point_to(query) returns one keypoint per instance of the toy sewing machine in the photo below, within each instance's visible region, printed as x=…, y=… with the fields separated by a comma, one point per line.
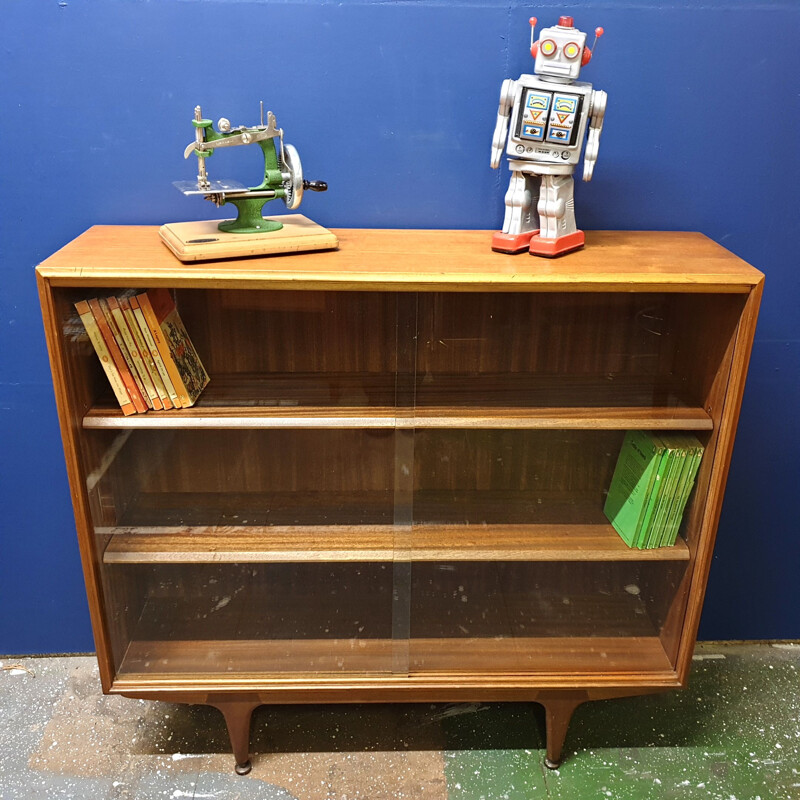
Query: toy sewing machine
x=250, y=233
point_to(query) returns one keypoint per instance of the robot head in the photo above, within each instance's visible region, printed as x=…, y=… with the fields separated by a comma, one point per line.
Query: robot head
x=560, y=51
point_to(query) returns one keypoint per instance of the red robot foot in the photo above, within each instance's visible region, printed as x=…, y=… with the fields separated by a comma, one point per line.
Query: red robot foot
x=512, y=243
x=550, y=248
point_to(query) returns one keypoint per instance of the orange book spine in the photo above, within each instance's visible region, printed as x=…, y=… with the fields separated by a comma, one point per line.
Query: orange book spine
x=130, y=352
x=126, y=356
x=99, y=344
x=116, y=355
x=145, y=383
x=161, y=367
x=161, y=399
x=163, y=348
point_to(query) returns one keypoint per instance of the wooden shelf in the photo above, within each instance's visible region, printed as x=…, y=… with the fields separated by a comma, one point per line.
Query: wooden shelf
x=370, y=401
x=503, y=629
x=430, y=660
x=365, y=543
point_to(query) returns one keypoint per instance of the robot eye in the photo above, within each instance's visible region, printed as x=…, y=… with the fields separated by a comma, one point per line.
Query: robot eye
x=548, y=47
x=571, y=51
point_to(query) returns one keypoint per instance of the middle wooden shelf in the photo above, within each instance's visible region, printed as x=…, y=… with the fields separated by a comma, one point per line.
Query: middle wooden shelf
x=375, y=543
x=394, y=400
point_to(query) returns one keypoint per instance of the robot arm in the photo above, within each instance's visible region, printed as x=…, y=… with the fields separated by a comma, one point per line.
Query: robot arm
x=501, y=128
x=596, y=114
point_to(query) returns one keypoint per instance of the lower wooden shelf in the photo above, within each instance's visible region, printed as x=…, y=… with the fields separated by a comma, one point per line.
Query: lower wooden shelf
x=275, y=660
x=295, y=623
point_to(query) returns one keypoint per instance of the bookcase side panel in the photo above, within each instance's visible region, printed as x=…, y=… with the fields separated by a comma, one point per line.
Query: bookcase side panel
x=77, y=380
x=704, y=329
x=727, y=395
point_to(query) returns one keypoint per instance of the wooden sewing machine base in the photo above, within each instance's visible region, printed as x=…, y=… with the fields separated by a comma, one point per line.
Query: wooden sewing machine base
x=202, y=241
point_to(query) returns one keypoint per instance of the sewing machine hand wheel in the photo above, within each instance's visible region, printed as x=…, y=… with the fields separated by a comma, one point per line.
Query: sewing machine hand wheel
x=294, y=184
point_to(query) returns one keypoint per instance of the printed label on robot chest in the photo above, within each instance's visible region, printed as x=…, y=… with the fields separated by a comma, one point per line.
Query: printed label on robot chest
x=548, y=117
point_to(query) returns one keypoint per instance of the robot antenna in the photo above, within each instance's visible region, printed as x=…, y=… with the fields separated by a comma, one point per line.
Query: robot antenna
x=532, y=22
x=598, y=32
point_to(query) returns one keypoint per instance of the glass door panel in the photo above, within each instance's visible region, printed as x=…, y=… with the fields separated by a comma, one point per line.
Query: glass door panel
x=591, y=350
x=522, y=402
x=231, y=538
x=260, y=618
x=254, y=532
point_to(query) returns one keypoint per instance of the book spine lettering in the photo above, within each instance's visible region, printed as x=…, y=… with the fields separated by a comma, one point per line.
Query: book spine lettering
x=163, y=349
x=149, y=372
x=110, y=369
x=134, y=360
x=171, y=399
x=116, y=355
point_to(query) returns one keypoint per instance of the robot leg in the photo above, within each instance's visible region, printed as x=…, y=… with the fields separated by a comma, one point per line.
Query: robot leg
x=521, y=219
x=559, y=233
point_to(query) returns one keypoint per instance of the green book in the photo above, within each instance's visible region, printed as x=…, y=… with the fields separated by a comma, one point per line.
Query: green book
x=679, y=462
x=687, y=444
x=661, y=495
x=635, y=474
x=670, y=490
x=693, y=459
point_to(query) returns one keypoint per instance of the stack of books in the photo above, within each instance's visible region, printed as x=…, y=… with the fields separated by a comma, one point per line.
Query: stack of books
x=145, y=351
x=652, y=482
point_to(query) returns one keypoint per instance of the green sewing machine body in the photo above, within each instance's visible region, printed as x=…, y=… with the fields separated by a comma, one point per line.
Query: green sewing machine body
x=283, y=173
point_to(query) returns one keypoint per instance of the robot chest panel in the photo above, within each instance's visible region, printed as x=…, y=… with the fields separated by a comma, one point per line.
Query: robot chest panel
x=548, y=124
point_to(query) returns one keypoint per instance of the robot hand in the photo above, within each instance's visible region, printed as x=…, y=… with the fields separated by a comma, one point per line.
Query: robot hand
x=501, y=127
x=498, y=143
x=597, y=114
x=590, y=155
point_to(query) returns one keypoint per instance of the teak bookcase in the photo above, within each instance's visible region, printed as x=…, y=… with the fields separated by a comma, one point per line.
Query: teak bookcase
x=392, y=488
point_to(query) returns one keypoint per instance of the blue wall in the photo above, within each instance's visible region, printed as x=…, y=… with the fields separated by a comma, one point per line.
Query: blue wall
x=393, y=104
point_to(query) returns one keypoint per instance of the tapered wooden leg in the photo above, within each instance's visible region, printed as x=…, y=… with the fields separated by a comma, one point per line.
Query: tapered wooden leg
x=558, y=713
x=238, y=714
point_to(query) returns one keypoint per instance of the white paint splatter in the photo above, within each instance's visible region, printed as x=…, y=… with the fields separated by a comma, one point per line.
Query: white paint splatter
x=178, y=793
x=222, y=603
x=181, y=756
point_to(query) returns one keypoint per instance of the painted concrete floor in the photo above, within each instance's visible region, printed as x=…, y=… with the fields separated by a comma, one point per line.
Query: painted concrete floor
x=733, y=735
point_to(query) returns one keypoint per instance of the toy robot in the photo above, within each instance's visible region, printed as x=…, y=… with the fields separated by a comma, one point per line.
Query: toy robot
x=541, y=124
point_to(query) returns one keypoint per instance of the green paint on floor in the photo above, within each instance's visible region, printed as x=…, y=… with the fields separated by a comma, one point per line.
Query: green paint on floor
x=734, y=734
x=493, y=752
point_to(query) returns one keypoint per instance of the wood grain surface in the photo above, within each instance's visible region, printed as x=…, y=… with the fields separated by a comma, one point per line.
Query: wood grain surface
x=358, y=543
x=413, y=259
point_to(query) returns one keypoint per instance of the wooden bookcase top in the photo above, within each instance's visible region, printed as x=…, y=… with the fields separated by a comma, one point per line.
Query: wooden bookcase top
x=412, y=260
